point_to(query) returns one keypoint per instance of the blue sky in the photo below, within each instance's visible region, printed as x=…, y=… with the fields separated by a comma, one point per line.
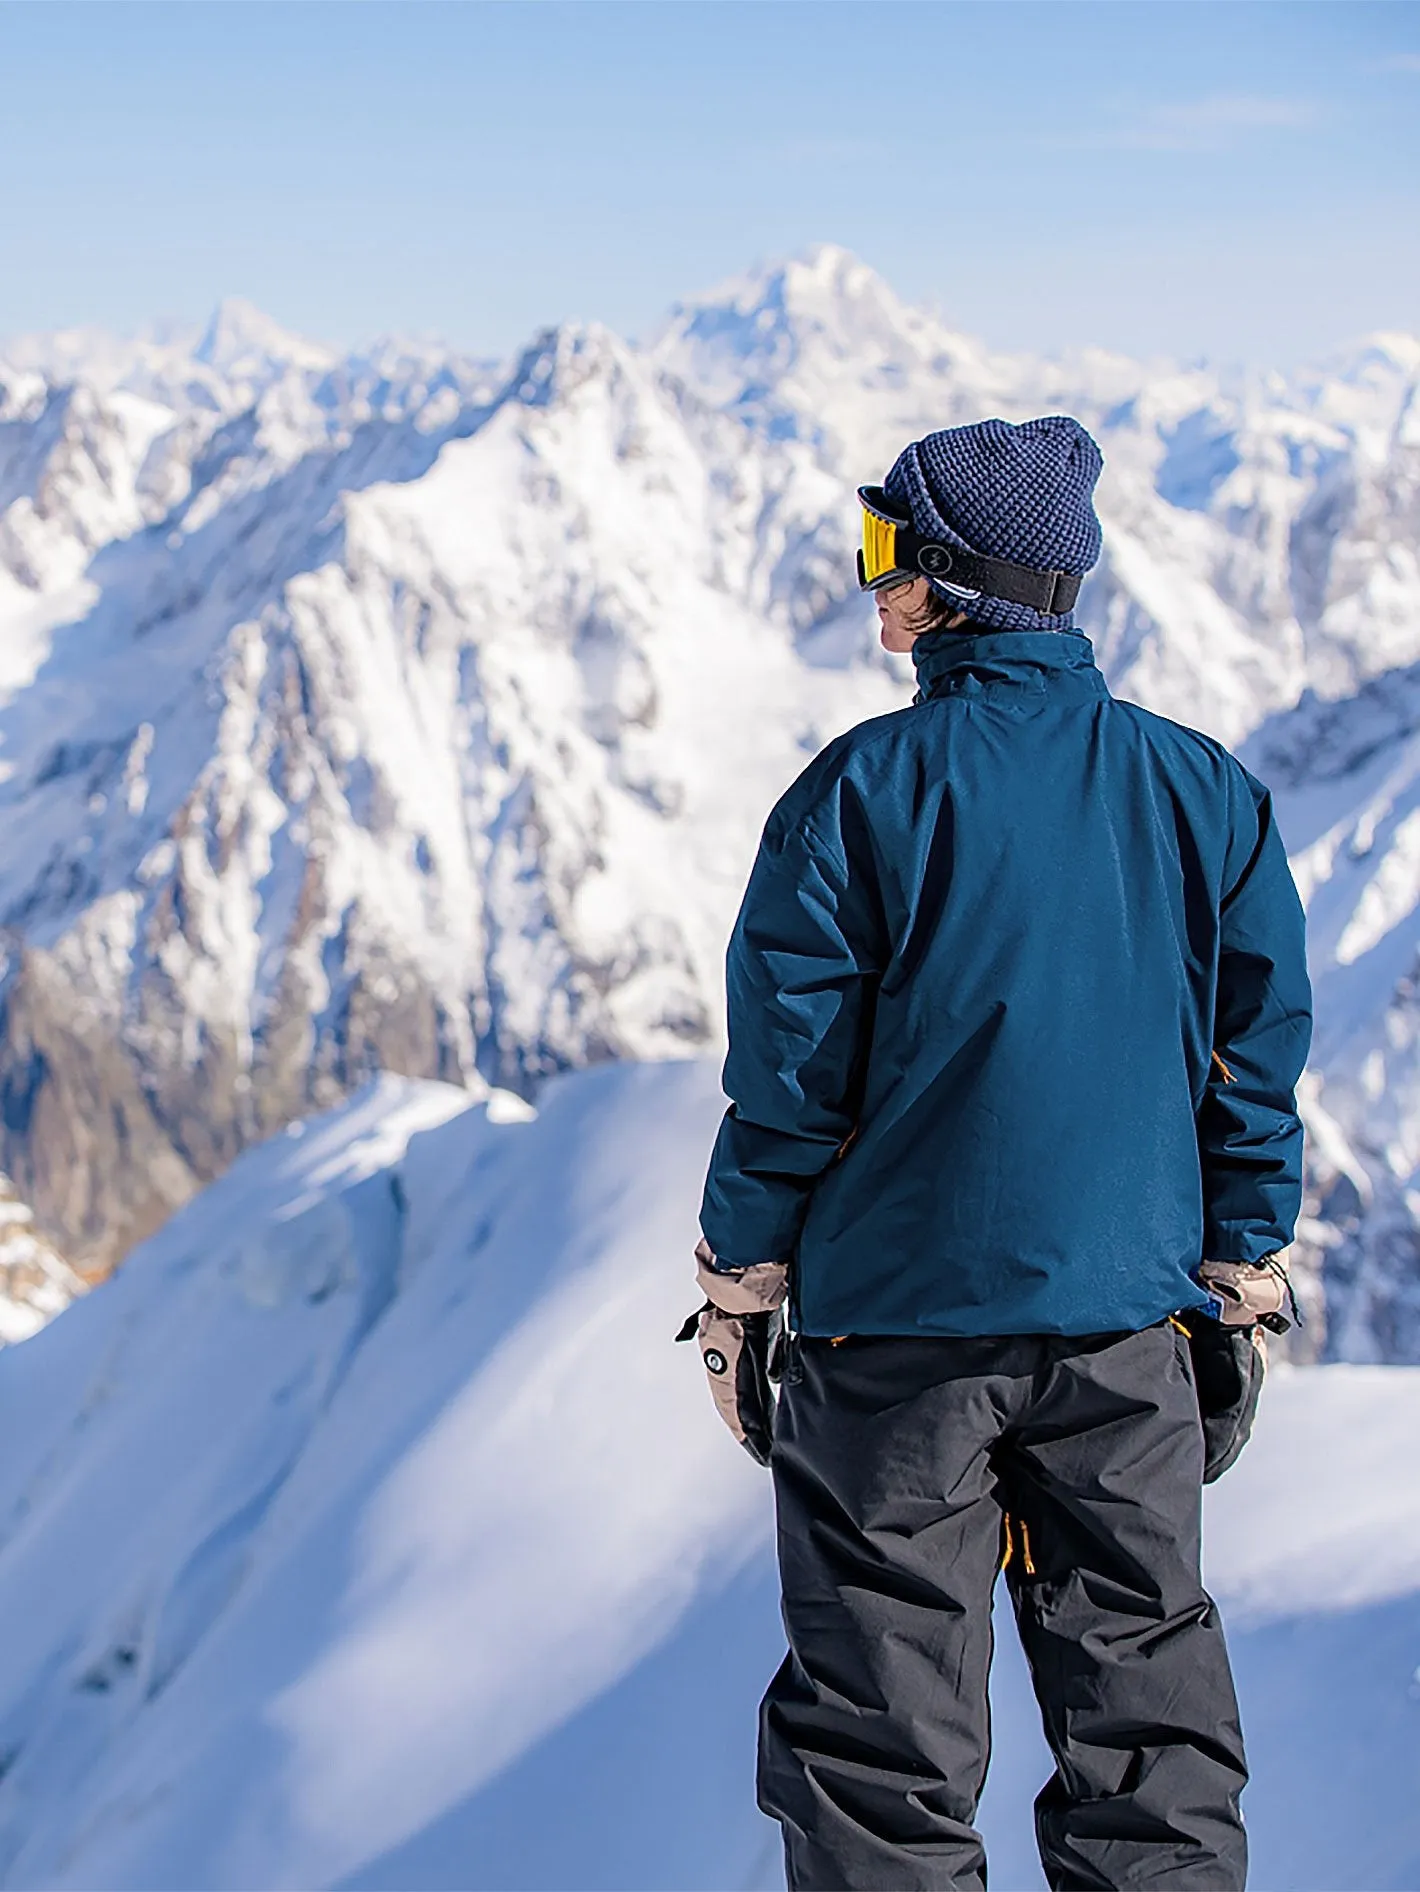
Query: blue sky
x=1213, y=177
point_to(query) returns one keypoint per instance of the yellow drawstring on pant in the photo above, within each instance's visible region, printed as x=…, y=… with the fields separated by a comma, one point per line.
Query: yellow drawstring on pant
x=1027, y=1561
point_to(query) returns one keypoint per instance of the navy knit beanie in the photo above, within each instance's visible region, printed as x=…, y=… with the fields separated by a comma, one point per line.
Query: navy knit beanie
x=1020, y=493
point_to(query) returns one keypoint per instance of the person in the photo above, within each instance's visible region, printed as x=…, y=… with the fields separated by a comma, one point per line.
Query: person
x=1017, y=1007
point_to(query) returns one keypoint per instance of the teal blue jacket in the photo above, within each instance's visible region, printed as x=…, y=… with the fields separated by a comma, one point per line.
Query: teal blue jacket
x=1017, y=1005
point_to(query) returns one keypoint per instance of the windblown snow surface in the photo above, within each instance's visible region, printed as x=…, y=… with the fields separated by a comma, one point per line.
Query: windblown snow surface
x=366, y=1530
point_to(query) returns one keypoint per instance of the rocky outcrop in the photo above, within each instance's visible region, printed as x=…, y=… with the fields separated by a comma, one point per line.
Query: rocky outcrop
x=36, y=1282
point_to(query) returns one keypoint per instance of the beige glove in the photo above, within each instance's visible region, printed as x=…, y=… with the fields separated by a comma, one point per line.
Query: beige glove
x=738, y=1329
x=1249, y=1292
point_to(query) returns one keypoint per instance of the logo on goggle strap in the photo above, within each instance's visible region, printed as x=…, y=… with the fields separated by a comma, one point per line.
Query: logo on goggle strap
x=934, y=560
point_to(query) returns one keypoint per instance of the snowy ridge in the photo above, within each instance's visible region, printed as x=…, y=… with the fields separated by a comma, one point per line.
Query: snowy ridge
x=354, y=1447
x=407, y=713
x=368, y=1514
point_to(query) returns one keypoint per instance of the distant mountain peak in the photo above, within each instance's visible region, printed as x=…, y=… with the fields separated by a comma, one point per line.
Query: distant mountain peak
x=242, y=341
x=1391, y=351
x=808, y=284
x=823, y=266
x=561, y=359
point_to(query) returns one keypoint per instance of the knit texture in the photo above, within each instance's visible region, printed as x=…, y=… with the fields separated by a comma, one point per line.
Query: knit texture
x=1022, y=493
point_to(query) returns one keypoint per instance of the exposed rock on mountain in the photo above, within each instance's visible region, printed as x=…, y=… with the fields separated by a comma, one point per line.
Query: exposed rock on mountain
x=36, y=1282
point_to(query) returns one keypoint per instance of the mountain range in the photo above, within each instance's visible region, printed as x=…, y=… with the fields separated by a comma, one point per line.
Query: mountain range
x=405, y=712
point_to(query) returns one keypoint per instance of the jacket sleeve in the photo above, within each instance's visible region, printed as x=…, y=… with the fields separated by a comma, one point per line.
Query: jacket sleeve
x=1249, y=1133
x=800, y=980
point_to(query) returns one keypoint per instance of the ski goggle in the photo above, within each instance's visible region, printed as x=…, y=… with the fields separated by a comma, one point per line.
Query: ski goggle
x=893, y=552
x=881, y=560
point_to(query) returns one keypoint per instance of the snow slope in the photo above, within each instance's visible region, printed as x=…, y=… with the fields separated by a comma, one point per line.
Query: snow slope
x=405, y=712
x=368, y=1531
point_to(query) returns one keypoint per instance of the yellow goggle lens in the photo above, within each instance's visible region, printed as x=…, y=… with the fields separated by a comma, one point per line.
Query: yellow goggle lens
x=879, y=546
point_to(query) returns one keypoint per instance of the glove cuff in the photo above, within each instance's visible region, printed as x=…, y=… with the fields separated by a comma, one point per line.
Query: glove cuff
x=1247, y=1291
x=754, y=1290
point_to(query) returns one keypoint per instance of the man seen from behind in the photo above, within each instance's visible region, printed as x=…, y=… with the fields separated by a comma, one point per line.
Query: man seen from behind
x=1017, y=1007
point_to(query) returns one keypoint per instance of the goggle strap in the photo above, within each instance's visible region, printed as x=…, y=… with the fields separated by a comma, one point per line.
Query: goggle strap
x=1052, y=593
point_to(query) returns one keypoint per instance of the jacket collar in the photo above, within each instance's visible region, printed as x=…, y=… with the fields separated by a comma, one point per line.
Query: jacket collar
x=952, y=663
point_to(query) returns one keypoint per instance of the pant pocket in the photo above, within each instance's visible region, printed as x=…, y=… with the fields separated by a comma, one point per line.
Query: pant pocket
x=1227, y=1366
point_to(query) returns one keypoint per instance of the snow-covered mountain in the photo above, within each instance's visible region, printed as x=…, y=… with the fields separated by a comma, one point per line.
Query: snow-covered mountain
x=367, y=1530
x=405, y=712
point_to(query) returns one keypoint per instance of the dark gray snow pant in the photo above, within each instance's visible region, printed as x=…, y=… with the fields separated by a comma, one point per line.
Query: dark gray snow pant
x=904, y=1469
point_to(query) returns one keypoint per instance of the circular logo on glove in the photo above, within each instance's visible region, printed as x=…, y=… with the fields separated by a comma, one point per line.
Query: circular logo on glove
x=934, y=560
x=715, y=1360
